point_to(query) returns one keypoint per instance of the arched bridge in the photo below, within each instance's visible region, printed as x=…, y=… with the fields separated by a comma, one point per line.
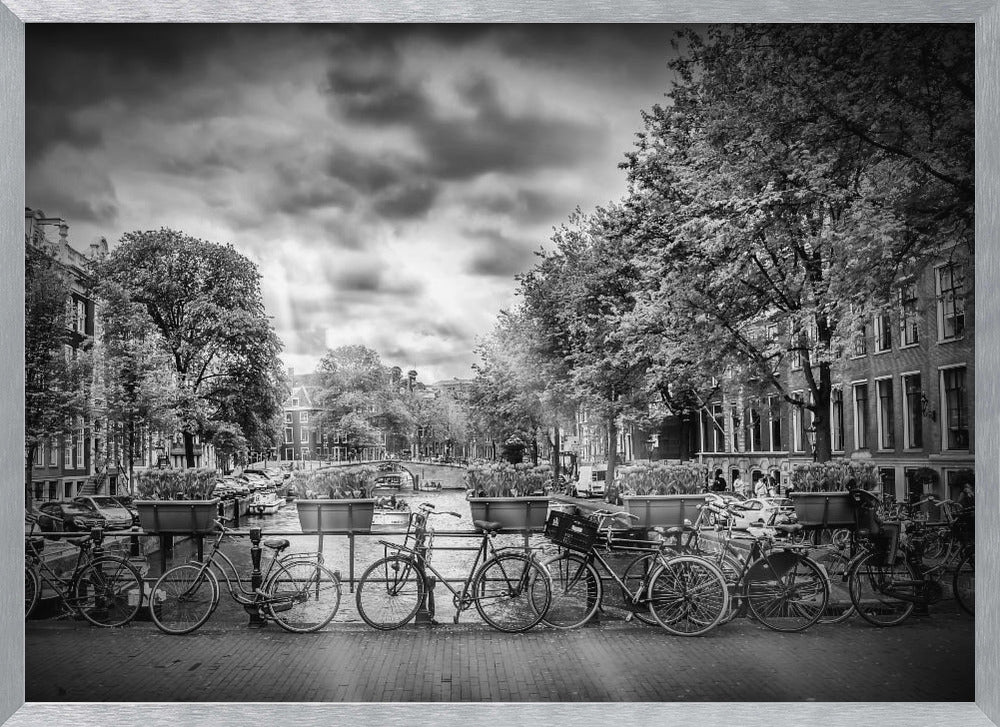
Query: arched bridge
x=451, y=476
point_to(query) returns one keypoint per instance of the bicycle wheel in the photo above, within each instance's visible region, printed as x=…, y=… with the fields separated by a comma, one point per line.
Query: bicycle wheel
x=303, y=596
x=108, y=592
x=935, y=545
x=688, y=595
x=512, y=592
x=638, y=576
x=964, y=583
x=839, y=606
x=183, y=598
x=576, y=591
x=731, y=569
x=786, y=591
x=876, y=589
x=32, y=589
x=390, y=592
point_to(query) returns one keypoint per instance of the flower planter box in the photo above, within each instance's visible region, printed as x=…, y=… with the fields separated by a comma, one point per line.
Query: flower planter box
x=664, y=511
x=515, y=514
x=823, y=509
x=336, y=516
x=178, y=516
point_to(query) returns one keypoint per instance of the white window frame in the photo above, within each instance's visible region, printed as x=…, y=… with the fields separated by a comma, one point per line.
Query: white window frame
x=303, y=435
x=882, y=330
x=772, y=420
x=833, y=422
x=854, y=408
x=295, y=401
x=943, y=407
x=753, y=412
x=880, y=432
x=716, y=433
x=288, y=417
x=53, y=453
x=907, y=434
x=303, y=417
x=957, y=301
x=907, y=317
x=798, y=445
x=289, y=436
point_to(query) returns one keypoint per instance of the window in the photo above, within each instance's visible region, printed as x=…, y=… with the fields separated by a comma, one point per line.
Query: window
x=774, y=422
x=288, y=435
x=887, y=475
x=304, y=435
x=753, y=441
x=955, y=408
x=861, y=341
x=67, y=490
x=909, y=319
x=883, y=333
x=295, y=401
x=771, y=333
x=288, y=417
x=718, y=428
x=837, y=419
x=950, y=301
x=886, y=438
x=80, y=439
x=305, y=453
x=734, y=417
x=304, y=417
x=860, y=416
x=68, y=452
x=797, y=425
x=53, y=453
x=913, y=418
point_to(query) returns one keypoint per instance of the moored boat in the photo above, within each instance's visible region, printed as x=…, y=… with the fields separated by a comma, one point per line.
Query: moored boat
x=265, y=502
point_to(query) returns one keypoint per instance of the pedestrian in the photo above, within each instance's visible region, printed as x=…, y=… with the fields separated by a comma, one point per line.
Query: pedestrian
x=719, y=485
x=740, y=487
x=760, y=488
x=967, y=499
x=770, y=486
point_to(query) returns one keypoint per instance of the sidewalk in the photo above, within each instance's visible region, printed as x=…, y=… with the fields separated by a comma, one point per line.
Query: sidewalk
x=927, y=659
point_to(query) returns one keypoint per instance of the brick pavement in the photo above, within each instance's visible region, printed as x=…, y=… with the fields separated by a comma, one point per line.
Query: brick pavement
x=925, y=659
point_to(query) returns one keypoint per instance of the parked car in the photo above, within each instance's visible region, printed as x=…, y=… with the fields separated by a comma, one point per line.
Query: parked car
x=760, y=510
x=128, y=502
x=116, y=515
x=69, y=516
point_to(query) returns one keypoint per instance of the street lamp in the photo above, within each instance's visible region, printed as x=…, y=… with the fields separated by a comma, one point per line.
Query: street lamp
x=811, y=437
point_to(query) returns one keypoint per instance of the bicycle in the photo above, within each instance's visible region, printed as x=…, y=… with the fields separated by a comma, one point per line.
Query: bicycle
x=889, y=578
x=104, y=589
x=299, y=593
x=510, y=590
x=684, y=594
x=780, y=586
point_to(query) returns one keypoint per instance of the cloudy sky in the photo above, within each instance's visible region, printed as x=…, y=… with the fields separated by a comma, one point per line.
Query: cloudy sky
x=389, y=180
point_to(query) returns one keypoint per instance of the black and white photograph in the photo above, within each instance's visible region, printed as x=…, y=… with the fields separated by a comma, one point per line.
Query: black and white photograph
x=499, y=363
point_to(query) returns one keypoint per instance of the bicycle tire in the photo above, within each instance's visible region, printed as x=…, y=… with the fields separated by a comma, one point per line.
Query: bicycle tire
x=839, y=606
x=183, y=598
x=390, y=592
x=731, y=568
x=786, y=591
x=505, y=591
x=108, y=591
x=935, y=545
x=32, y=589
x=688, y=595
x=638, y=572
x=964, y=583
x=309, y=594
x=576, y=591
x=868, y=580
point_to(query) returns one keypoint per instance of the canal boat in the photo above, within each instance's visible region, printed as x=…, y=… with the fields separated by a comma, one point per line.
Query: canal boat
x=265, y=502
x=391, y=513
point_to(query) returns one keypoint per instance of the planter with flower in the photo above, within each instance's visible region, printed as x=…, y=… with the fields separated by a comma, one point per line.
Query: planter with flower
x=510, y=494
x=662, y=494
x=177, y=501
x=821, y=491
x=337, y=500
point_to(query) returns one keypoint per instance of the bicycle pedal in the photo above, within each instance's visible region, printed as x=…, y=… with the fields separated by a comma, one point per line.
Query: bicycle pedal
x=629, y=616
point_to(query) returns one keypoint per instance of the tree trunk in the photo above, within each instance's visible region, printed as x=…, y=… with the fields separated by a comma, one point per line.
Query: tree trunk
x=534, y=448
x=612, y=452
x=189, y=450
x=556, y=457
x=822, y=451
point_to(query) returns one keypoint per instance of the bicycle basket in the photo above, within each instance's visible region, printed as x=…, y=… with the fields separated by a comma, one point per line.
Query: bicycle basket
x=570, y=531
x=885, y=542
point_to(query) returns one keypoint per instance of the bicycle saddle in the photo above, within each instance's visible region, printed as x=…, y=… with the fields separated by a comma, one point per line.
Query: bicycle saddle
x=79, y=541
x=278, y=544
x=487, y=526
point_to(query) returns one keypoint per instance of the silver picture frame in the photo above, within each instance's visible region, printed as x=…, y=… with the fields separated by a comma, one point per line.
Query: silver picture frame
x=986, y=16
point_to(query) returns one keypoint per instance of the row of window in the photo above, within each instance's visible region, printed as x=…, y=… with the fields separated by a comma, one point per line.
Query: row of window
x=305, y=434
x=762, y=430
x=72, y=456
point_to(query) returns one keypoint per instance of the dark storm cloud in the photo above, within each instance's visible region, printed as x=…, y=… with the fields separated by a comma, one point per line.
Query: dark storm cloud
x=497, y=255
x=365, y=172
x=408, y=200
x=72, y=207
x=526, y=205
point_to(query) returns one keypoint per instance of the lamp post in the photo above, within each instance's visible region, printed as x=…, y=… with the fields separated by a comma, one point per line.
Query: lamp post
x=811, y=437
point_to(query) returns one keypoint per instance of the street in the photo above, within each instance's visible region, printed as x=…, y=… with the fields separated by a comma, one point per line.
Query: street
x=926, y=659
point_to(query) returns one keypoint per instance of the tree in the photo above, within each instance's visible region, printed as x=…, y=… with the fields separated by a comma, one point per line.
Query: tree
x=575, y=299
x=57, y=366
x=796, y=175
x=204, y=301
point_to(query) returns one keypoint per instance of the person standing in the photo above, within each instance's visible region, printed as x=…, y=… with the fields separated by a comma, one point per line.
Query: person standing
x=719, y=484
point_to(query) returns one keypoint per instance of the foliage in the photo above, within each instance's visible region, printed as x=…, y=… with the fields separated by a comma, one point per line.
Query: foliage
x=204, y=301
x=337, y=483
x=835, y=476
x=176, y=484
x=503, y=479
x=662, y=478
x=230, y=443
